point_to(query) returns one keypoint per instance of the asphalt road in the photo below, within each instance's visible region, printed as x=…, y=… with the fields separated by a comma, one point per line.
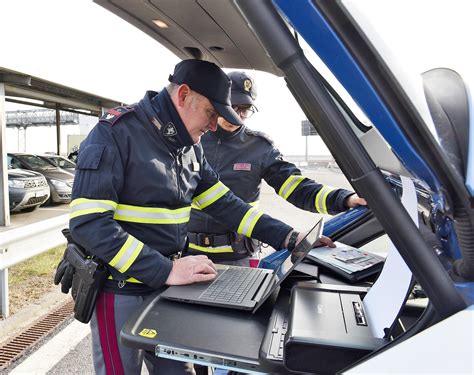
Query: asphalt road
x=78, y=360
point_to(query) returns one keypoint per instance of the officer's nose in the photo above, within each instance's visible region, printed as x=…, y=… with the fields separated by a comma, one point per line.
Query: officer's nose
x=213, y=125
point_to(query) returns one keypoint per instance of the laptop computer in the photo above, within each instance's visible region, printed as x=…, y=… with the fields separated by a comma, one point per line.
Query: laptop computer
x=244, y=288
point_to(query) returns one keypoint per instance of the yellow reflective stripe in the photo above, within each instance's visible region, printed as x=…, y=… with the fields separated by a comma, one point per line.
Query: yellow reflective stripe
x=83, y=206
x=290, y=185
x=248, y=222
x=218, y=249
x=130, y=280
x=127, y=254
x=152, y=215
x=210, y=195
x=320, y=200
x=253, y=204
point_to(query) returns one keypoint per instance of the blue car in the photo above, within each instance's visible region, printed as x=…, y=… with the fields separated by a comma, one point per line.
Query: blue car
x=387, y=130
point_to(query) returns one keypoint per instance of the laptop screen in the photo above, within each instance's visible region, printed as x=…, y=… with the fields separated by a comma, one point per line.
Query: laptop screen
x=297, y=256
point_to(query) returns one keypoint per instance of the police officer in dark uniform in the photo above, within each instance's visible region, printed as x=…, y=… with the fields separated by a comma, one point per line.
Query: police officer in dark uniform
x=242, y=158
x=138, y=173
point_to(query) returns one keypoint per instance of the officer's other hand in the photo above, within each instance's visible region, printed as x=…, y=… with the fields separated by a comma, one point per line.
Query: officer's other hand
x=354, y=201
x=191, y=269
x=324, y=241
x=64, y=275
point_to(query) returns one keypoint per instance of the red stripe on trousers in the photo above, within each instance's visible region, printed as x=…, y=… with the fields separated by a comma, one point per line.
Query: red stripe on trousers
x=108, y=339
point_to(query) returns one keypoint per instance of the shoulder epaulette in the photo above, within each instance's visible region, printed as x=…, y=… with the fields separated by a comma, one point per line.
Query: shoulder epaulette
x=113, y=114
x=263, y=135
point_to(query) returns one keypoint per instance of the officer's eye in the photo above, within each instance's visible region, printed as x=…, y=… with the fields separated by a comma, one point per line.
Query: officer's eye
x=211, y=114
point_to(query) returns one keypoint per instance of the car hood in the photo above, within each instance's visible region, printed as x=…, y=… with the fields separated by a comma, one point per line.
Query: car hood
x=22, y=173
x=58, y=174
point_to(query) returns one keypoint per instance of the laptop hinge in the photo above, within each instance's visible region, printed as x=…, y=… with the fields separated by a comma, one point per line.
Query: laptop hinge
x=263, y=291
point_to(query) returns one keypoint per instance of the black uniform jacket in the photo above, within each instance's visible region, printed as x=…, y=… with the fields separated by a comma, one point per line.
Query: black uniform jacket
x=138, y=173
x=242, y=159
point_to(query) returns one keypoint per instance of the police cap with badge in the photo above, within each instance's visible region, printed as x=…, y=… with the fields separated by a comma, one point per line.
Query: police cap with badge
x=243, y=90
x=209, y=80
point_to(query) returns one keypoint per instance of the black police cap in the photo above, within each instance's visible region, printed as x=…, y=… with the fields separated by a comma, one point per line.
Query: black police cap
x=243, y=90
x=209, y=80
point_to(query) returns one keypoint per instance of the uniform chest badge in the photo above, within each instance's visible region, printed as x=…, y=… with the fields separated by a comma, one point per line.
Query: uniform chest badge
x=242, y=167
x=196, y=166
x=169, y=130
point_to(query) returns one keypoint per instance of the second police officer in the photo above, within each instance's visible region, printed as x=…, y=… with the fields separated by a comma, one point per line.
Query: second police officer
x=242, y=158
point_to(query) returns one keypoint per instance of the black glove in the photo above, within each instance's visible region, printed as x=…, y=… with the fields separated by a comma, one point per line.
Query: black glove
x=64, y=271
x=64, y=275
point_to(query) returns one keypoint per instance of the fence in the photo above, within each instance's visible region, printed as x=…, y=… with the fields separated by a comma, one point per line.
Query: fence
x=17, y=245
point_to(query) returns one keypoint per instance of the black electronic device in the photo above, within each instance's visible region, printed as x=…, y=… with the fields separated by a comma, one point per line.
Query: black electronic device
x=328, y=328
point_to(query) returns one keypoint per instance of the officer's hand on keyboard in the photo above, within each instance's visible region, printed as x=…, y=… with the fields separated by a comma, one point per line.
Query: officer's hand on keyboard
x=191, y=269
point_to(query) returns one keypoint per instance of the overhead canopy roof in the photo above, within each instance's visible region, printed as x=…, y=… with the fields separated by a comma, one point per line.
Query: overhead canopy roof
x=20, y=86
x=212, y=30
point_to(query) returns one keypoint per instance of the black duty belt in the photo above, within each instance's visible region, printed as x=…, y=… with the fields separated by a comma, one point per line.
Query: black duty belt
x=210, y=239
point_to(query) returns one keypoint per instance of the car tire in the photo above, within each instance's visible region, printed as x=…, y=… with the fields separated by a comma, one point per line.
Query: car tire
x=29, y=209
x=49, y=202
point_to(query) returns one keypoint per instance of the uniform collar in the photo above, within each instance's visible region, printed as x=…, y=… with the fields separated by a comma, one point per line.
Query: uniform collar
x=164, y=117
x=223, y=134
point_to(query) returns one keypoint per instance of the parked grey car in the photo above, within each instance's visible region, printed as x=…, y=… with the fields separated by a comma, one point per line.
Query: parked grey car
x=60, y=182
x=60, y=162
x=27, y=190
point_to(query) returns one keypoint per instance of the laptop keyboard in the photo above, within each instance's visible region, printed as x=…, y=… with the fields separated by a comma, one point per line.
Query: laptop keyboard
x=231, y=286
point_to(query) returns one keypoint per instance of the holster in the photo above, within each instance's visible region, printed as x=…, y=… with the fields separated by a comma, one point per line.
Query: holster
x=88, y=280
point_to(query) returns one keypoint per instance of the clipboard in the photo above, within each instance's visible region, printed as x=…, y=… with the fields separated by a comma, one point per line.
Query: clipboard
x=350, y=263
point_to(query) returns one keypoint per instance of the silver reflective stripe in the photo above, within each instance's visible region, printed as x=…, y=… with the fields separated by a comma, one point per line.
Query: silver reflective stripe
x=290, y=185
x=87, y=205
x=320, y=200
x=123, y=213
x=128, y=254
x=249, y=221
x=210, y=195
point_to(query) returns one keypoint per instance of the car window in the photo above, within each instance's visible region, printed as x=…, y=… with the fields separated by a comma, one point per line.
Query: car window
x=64, y=163
x=35, y=162
x=360, y=123
x=9, y=162
x=12, y=163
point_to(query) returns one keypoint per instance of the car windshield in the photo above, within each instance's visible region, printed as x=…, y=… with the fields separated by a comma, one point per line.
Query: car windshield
x=9, y=162
x=35, y=162
x=62, y=163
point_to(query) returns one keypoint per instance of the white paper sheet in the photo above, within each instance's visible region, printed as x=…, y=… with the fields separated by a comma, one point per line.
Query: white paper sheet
x=384, y=300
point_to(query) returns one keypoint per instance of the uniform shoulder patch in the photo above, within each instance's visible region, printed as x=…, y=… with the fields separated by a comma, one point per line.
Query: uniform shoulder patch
x=263, y=135
x=113, y=114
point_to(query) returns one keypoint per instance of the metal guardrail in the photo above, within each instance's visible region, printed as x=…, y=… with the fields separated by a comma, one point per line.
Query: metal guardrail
x=19, y=244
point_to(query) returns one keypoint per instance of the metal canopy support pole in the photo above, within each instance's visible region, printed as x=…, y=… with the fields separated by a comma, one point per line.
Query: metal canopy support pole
x=4, y=303
x=58, y=129
x=4, y=199
x=306, y=151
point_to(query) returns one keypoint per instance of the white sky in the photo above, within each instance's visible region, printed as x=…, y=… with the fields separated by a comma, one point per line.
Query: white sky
x=80, y=44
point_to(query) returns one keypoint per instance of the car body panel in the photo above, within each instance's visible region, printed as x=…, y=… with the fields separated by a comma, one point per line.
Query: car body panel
x=60, y=162
x=61, y=190
x=327, y=44
x=35, y=190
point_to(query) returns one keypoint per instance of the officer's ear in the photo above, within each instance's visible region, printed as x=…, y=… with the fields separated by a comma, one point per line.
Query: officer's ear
x=184, y=94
